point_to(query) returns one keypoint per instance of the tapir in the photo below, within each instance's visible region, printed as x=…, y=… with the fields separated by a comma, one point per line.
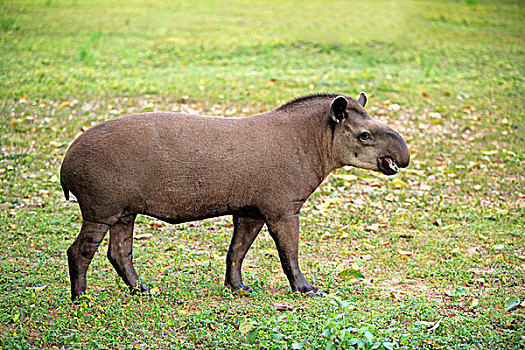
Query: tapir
x=178, y=168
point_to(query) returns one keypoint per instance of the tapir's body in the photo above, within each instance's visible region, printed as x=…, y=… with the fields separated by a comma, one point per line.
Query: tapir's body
x=178, y=168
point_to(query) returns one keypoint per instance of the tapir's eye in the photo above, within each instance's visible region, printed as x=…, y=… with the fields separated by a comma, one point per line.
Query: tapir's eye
x=365, y=136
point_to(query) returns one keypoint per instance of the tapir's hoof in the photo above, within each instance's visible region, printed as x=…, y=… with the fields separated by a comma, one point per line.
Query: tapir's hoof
x=76, y=298
x=241, y=290
x=314, y=293
x=141, y=289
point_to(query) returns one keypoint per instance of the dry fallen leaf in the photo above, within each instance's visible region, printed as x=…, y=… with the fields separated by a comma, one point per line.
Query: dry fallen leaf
x=63, y=104
x=398, y=183
x=345, y=177
x=56, y=144
x=182, y=312
x=156, y=224
x=43, y=192
x=283, y=306
x=480, y=281
x=373, y=228
x=244, y=293
x=404, y=252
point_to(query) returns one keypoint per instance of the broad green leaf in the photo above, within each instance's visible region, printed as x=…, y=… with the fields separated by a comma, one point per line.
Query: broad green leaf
x=388, y=345
x=252, y=334
x=330, y=345
x=246, y=327
x=334, y=300
x=458, y=292
x=277, y=336
x=512, y=303
x=427, y=323
x=369, y=336
x=353, y=341
x=351, y=273
x=436, y=325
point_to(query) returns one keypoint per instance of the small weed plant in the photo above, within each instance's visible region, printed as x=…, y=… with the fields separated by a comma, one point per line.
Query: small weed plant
x=341, y=329
x=341, y=332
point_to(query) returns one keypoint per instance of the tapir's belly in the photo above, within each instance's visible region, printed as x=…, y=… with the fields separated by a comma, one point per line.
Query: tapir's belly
x=194, y=193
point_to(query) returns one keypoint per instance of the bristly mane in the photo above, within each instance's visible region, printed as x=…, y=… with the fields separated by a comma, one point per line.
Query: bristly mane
x=298, y=100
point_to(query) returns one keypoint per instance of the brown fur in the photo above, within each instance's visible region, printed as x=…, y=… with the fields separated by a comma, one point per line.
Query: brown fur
x=178, y=168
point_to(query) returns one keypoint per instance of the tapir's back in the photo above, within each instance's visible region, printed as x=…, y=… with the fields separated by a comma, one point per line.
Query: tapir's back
x=172, y=166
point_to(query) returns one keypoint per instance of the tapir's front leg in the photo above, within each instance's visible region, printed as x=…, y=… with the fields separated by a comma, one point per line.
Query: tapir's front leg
x=244, y=232
x=285, y=233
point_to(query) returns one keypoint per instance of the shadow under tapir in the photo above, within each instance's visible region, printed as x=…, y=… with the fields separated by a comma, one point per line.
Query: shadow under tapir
x=178, y=168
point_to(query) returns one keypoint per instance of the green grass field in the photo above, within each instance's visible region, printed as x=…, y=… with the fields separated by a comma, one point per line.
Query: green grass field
x=433, y=258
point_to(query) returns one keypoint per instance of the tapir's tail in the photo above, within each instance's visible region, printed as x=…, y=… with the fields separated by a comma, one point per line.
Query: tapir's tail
x=65, y=189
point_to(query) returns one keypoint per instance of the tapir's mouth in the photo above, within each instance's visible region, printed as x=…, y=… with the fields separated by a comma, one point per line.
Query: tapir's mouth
x=387, y=165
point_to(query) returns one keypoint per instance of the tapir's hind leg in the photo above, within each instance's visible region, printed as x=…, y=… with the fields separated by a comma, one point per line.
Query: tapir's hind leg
x=120, y=253
x=81, y=252
x=244, y=232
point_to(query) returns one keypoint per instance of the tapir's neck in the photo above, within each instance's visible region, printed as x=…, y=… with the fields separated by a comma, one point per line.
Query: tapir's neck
x=316, y=137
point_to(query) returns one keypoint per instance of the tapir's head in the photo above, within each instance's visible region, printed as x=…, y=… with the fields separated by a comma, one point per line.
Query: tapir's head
x=363, y=142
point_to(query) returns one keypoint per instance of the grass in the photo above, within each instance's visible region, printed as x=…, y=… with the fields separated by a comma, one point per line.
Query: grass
x=440, y=246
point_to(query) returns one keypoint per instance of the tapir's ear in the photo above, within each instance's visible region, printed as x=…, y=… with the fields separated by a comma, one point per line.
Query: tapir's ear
x=362, y=99
x=338, y=109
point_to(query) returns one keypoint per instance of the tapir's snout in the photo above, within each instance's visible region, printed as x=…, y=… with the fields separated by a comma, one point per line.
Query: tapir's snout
x=398, y=156
x=404, y=157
